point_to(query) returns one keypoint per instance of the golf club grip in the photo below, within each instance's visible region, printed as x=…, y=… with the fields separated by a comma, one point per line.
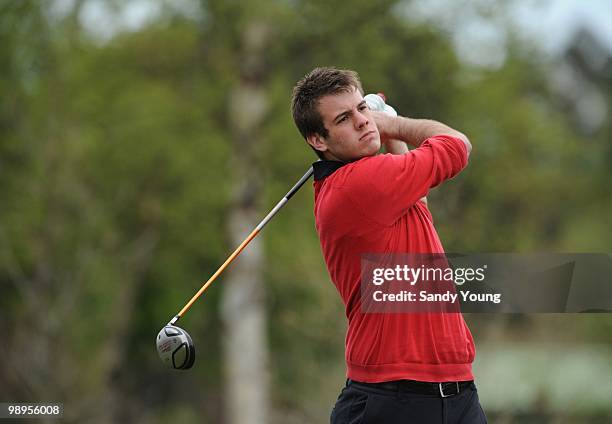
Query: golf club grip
x=244, y=243
x=300, y=183
x=285, y=199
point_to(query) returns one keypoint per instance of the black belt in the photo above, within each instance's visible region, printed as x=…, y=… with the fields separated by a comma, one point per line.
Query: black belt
x=446, y=389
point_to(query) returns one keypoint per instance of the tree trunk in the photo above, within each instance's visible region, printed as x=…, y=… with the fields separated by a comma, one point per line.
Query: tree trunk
x=243, y=304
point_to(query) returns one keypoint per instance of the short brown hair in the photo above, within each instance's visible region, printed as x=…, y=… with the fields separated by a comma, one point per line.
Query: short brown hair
x=306, y=94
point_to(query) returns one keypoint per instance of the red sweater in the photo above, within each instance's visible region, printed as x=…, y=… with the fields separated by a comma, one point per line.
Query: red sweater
x=372, y=206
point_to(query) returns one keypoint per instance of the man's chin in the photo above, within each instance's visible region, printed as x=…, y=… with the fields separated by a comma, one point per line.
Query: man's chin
x=374, y=148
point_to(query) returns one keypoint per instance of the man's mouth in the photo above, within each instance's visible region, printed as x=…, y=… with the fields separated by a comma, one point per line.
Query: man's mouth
x=369, y=133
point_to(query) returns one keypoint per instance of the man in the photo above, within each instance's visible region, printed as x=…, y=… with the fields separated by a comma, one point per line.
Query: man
x=401, y=367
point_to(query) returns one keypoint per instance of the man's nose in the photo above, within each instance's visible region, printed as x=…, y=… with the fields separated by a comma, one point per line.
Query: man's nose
x=361, y=120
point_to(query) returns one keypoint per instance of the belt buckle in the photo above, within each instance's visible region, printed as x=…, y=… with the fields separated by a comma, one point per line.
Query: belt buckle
x=450, y=394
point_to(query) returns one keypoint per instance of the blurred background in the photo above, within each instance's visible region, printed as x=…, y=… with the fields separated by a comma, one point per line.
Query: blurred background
x=141, y=140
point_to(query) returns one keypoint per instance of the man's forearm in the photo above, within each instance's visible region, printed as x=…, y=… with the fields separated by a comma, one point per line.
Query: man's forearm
x=416, y=131
x=396, y=147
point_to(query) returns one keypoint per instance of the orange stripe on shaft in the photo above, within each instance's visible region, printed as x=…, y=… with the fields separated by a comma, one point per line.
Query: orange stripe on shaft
x=219, y=271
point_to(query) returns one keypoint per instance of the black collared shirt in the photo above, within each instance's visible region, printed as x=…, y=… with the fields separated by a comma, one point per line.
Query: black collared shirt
x=324, y=168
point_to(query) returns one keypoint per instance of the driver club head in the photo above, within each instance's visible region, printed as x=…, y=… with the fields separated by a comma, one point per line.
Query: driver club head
x=175, y=347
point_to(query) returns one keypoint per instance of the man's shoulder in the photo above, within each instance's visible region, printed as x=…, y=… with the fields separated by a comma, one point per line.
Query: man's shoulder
x=365, y=167
x=369, y=162
x=355, y=172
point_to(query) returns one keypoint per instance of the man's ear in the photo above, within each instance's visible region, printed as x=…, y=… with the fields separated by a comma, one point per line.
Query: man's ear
x=317, y=142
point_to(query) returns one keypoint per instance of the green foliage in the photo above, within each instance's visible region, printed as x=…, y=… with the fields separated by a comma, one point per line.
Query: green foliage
x=115, y=171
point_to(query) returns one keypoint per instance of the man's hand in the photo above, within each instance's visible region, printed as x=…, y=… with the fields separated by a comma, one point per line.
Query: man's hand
x=412, y=131
x=382, y=113
x=386, y=124
x=385, y=116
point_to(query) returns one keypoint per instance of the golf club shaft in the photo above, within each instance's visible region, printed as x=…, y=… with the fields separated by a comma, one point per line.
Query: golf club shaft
x=246, y=241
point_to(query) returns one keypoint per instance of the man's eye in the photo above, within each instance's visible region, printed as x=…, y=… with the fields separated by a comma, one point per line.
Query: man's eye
x=363, y=107
x=344, y=118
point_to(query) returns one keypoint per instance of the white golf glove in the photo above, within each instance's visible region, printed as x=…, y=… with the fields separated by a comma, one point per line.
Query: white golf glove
x=377, y=103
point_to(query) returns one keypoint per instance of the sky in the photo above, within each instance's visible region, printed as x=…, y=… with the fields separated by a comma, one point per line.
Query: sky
x=479, y=28
x=554, y=21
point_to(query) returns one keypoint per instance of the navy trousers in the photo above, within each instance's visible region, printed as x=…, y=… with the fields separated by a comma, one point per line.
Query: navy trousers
x=362, y=404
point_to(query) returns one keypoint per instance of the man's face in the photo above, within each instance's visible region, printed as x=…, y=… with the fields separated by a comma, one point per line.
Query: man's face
x=352, y=133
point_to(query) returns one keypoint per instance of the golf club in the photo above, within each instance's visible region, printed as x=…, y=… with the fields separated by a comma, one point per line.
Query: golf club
x=174, y=345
